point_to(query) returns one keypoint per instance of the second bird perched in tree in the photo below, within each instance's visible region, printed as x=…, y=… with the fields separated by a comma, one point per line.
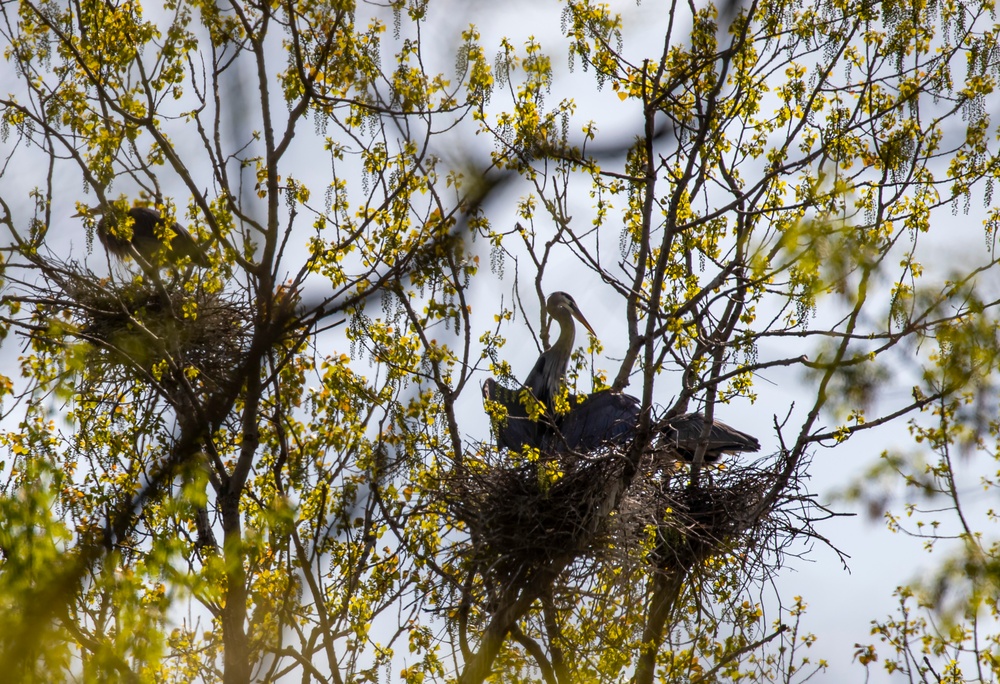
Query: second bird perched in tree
x=147, y=232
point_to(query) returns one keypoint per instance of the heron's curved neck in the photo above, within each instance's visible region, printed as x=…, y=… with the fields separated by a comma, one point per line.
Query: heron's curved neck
x=563, y=347
x=567, y=333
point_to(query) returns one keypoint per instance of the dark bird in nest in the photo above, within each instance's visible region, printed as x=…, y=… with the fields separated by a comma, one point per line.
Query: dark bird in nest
x=147, y=232
x=600, y=419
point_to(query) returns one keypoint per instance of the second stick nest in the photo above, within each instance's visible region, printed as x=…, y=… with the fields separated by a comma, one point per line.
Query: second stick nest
x=158, y=333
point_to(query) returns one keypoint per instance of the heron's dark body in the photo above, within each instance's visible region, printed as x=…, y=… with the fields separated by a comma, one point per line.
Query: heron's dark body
x=602, y=418
x=605, y=419
x=518, y=431
x=147, y=228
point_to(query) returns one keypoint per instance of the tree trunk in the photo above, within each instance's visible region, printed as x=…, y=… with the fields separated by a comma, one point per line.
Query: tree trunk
x=236, y=651
x=666, y=588
x=512, y=608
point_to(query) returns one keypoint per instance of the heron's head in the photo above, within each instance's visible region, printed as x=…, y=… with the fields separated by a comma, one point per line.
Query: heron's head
x=561, y=306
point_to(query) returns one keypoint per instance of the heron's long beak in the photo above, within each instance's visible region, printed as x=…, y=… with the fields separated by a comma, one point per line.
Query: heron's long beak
x=579, y=316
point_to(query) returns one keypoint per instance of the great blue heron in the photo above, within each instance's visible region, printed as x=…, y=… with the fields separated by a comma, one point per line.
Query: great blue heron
x=546, y=378
x=544, y=383
x=147, y=231
x=599, y=419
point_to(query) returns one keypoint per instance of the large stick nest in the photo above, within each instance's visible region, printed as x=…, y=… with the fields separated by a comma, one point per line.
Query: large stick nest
x=521, y=516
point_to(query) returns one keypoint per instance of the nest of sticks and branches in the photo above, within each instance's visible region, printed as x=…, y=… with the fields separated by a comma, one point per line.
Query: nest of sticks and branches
x=596, y=509
x=153, y=331
x=521, y=516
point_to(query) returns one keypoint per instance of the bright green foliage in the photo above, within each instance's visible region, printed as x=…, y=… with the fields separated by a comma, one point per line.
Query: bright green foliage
x=266, y=468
